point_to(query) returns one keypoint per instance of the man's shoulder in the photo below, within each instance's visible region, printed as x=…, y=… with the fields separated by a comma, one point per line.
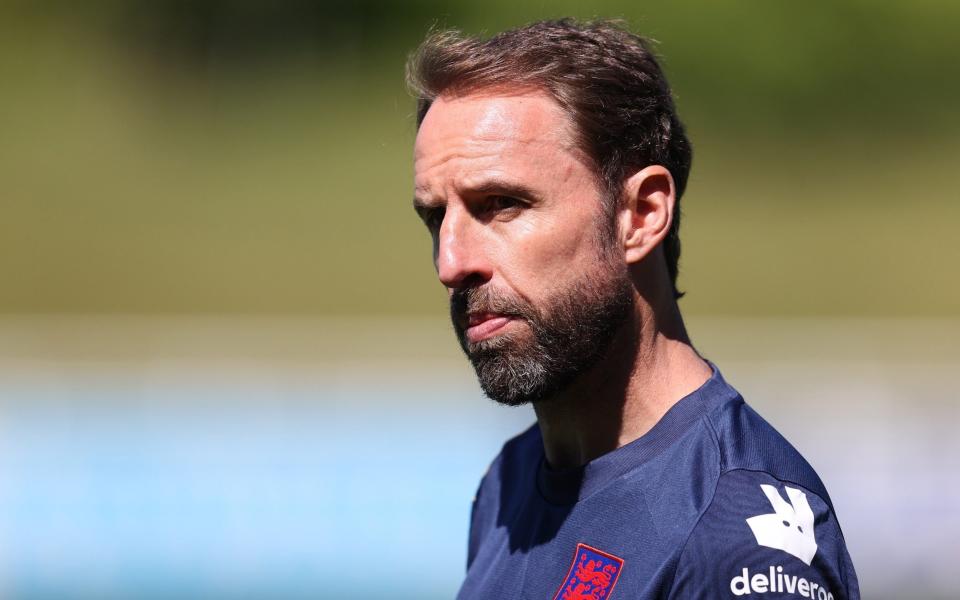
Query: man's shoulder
x=717, y=444
x=769, y=525
x=521, y=452
x=761, y=534
x=524, y=443
x=518, y=460
x=515, y=464
x=747, y=442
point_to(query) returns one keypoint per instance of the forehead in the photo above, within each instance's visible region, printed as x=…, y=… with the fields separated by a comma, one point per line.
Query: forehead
x=490, y=131
x=524, y=117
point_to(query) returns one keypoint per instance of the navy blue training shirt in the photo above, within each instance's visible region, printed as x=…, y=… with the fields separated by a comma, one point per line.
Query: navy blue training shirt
x=712, y=502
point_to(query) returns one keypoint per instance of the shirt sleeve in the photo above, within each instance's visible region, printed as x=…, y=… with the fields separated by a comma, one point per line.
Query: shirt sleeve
x=765, y=538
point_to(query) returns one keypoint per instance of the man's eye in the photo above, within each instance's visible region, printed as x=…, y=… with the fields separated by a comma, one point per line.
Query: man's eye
x=502, y=202
x=433, y=218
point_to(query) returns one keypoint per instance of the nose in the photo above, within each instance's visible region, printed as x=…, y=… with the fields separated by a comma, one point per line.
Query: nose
x=459, y=251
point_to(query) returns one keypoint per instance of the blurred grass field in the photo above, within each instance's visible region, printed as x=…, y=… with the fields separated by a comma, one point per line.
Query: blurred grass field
x=148, y=169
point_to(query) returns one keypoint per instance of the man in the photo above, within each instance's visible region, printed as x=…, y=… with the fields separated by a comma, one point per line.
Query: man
x=549, y=164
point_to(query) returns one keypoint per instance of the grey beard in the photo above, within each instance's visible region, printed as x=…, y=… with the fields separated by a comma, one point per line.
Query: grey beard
x=566, y=339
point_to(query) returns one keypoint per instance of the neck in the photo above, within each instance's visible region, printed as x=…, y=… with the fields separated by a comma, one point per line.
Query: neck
x=649, y=367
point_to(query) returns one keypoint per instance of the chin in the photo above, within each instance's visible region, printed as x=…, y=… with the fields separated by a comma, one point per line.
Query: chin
x=513, y=380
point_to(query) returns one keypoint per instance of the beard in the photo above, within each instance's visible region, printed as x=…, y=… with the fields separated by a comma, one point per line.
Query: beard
x=567, y=336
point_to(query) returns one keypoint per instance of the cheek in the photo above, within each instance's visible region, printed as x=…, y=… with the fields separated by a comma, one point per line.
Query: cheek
x=571, y=240
x=552, y=254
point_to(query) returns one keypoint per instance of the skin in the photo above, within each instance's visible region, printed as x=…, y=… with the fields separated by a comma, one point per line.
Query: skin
x=511, y=203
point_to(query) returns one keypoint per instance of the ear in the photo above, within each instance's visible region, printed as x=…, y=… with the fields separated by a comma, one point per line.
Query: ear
x=647, y=211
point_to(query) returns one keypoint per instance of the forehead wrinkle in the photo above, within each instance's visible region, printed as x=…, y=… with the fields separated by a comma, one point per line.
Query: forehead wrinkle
x=453, y=164
x=472, y=169
x=495, y=142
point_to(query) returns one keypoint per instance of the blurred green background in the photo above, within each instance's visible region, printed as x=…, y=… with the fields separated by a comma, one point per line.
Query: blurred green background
x=251, y=156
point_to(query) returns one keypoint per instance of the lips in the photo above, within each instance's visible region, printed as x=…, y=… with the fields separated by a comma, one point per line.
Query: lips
x=481, y=326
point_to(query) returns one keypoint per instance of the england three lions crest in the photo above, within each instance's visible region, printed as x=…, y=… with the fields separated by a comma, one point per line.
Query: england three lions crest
x=592, y=575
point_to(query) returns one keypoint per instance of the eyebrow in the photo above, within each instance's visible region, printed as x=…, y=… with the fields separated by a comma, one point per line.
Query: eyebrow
x=421, y=205
x=503, y=187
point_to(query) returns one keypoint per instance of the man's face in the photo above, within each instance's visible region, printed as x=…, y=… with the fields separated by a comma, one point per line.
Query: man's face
x=537, y=288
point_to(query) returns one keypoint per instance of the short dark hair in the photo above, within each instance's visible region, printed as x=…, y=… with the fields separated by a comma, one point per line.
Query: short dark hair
x=602, y=75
